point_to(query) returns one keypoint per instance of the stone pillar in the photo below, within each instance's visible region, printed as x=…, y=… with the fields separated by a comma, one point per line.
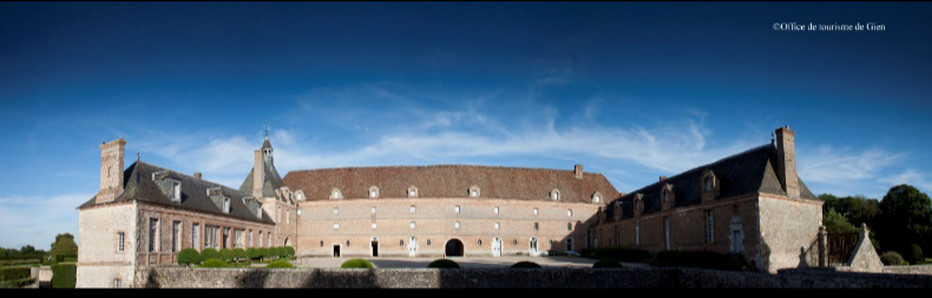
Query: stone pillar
x=823, y=247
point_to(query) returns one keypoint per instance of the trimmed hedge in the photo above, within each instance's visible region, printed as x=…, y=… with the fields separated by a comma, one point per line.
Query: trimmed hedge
x=239, y=254
x=279, y=264
x=18, y=283
x=263, y=252
x=892, y=258
x=357, y=263
x=189, y=256
x=621, y=254
x=63, y=276
x=443, y=263
x=14, y=273
x=226, y=255
x=253, y=253
x=525, y=264
x=214, y=263
x=20, y=262
x=697, y=259
x=289, y=251
x=607, y=264
x=209, y=253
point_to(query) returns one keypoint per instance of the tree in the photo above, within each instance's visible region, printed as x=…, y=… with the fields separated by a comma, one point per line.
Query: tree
x=906, y=219
x=27, y=250
x=64, y=246
x=836, y=223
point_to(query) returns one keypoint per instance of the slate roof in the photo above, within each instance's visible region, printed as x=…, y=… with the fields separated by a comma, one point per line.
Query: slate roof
x=272, y=180
x=138, y=186
x=748, y=172
x=450, y=181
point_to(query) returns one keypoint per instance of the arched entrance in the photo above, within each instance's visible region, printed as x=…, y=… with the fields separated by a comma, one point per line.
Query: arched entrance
x=454, y=248
x=497, y=247
x=287, y=242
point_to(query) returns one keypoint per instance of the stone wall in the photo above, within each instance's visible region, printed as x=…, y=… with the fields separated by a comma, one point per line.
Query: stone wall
x=180, y=277
x=921, y=269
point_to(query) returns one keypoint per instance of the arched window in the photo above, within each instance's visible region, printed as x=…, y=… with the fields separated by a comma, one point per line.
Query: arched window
x=555, y=194
x=474, y=191
x=412, y=191
x=335, y=194
x=373, y=192
x=300, y=195
x=597, y=197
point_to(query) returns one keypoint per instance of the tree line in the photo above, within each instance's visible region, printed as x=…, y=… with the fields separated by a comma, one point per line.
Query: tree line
x=901, y=222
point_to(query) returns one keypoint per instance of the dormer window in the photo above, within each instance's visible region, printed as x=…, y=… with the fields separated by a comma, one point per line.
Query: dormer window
x=412, y=192
x=708, y=183
x=474, y=191
x=226, y=205
x=300, y=195
x=666, y=196
x=710, y=186
x=373, y=192
x=176, y=191
x=597, y=197
x=259, y=213
x=335, y=194
x=555, y=194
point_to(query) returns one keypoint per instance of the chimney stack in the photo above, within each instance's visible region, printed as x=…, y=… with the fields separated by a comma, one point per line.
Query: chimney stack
x=662, y=178
x=577, y=170
x=111, y=170
x=258, y=174
x=197, y=175
x=786, y=160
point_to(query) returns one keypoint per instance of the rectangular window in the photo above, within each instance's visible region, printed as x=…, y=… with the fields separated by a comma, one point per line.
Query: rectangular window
x=238, y=239
x=536, y=226
x=121, y=238
x=176, y=236
x=176, y=191
x=496, y=209
x=195, y=235
x=709, y=225
x=260, y=239
x=637, y=233
x=210, y=237
x=226, y=238
x=666, y=232
x=153, y=234
x=116, y=282
x=569, y=244
x=249, y=244
x=373, y=209
x=456, y=209
x=269, y=242
x=413, y=209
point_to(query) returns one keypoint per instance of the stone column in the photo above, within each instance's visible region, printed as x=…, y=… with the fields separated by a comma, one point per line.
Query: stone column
x=823, y=247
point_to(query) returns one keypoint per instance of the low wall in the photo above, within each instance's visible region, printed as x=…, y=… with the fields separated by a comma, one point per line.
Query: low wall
x=181, y=277
x=915, y=269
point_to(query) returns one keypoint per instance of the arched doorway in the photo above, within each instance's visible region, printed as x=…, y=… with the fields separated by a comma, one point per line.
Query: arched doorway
x=533, y=246
x=454, y=248
x=497, y=247
x=287, y=242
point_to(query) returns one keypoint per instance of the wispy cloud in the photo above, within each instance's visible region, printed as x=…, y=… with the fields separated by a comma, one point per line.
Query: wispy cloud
x=912, y=177
x=36, y=220
x=843, y=171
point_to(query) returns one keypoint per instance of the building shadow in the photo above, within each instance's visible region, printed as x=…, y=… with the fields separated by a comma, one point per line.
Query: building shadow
x=255, y=278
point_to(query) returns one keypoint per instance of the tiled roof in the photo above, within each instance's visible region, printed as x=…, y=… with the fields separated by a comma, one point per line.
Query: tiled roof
x=748, y=172
x=450, y=181
x=138, y=185
x=272, y=181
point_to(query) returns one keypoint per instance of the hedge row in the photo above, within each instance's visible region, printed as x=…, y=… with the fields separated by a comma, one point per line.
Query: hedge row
x=63, y=276
x=18, y=283
x=621, y=254
x=191, y=256
x=697, y=259
x=19, y=262
x=14, y=273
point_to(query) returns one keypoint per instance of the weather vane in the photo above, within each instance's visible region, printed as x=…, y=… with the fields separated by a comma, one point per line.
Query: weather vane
x=266, y=128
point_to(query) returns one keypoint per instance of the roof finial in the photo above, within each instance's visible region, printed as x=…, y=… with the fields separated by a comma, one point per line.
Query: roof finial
x=771, y=138
x=266, y=128
x=137, y=156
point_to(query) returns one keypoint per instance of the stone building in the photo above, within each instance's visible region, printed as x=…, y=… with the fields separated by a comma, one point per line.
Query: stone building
x=752, y=204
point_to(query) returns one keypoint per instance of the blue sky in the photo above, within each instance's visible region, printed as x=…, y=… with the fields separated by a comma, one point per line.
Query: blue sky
x=630, y=90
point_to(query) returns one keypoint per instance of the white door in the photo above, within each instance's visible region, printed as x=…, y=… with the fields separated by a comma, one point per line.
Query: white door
x=533, y=246
x=497, y=247
x=412, y=247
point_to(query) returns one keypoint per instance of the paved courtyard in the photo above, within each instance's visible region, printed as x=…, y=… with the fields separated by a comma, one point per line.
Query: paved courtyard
x=465, y=262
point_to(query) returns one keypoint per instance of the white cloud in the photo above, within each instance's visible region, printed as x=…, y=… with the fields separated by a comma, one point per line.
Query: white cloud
x=36, y=220
x=912, y=177
x=833, y=165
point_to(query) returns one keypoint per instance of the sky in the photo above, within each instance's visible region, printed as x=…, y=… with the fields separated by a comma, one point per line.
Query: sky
x=630, y=90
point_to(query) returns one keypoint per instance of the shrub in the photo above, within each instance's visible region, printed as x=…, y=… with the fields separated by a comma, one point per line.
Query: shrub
x=226, y=255
x=357, y=263
x=914, y=254
x=253, y=253
x=289, y=251
x=63, y=276
x=892, y=258
x=16, y=283
x=621, y=254
x=276, y=252
x=607, y=264
x=13, y=273
x=189, y=256
x=239, y=254
x=209, y=253
x=215, y=263
x=279, y=264
x=263, y=252
x=443, y=263
x=525, y=264
x=697, y=259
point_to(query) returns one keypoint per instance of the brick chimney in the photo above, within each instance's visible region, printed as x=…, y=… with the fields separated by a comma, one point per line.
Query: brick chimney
x=111, y=170
x=786, y=160
x=197, y=175
x=258, y=174
x=662, y=178
x=577, y=170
